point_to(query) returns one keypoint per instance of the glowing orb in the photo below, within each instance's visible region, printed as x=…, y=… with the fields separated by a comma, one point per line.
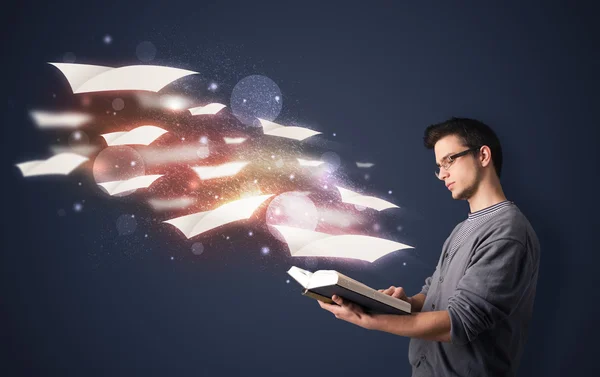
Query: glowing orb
x=292, y=209
x=118, y=163
x=255, y=97
x=78, y=138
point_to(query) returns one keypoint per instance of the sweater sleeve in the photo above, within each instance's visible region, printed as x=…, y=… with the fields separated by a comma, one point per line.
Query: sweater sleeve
x=425, y=288
x=494, y=283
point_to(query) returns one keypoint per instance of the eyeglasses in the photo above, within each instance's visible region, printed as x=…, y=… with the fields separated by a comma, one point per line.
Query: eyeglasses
x=448, y=161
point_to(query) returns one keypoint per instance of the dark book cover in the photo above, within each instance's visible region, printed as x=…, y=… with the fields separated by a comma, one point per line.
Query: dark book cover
x=370, y=305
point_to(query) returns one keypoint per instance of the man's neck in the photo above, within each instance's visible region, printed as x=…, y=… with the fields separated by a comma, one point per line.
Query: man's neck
x=486, y=196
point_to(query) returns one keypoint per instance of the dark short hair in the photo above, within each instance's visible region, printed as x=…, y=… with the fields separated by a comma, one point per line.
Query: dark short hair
x=472, y=132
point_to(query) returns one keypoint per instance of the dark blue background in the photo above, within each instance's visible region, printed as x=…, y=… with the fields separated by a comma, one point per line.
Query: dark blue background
x=77, y=299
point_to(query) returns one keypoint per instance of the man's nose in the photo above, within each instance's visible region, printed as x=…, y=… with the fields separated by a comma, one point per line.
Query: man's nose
x=443, y=173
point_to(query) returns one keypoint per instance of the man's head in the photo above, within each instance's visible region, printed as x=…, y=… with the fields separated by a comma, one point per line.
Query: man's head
x=481, y=160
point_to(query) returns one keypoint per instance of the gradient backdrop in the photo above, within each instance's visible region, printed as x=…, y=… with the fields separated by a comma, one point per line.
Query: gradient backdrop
x=77, y=299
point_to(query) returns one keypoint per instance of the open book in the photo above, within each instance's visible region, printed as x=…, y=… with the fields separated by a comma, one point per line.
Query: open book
x=323, y=284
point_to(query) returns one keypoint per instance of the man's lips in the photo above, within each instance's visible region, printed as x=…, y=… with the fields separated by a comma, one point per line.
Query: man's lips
x=449, y=185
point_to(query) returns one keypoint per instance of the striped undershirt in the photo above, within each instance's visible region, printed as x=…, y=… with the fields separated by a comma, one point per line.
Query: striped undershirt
x=474, y=220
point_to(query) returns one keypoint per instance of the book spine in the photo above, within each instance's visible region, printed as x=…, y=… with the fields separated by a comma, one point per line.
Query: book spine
x=317, y=296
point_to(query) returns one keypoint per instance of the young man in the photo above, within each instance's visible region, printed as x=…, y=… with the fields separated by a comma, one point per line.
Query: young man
x=472, y=315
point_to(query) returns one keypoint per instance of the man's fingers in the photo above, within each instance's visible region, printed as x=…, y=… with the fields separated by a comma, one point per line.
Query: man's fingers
x=389, y=291
x=399, y=292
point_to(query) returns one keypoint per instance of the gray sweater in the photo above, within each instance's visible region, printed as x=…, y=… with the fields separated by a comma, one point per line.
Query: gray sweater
x=486, y=279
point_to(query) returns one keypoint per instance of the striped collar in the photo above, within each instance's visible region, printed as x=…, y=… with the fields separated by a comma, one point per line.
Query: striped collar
x=489, y=210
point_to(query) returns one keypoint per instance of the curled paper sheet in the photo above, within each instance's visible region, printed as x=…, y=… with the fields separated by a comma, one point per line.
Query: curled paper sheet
x=186, y=153
x=61, y=164
x=234, y=140
x=143, y=135
x=309, y=162
x=118, y=187
x=197, y=223
x=82, y=150
x=292, y=132
x=210, y=109
x=170, y=204
x=304, y=242
x=218, y=171
x=85, y=78
x=352, y=197
x=66, y=119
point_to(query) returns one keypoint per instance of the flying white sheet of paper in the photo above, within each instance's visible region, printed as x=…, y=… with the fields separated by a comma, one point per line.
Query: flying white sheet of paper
x=363, y=200
x=143, y=135
x=168, y=204
x=234, y=140
x=304, y=243
x=66, y=119
x=176, y=154
x=61, y=164
x=117, y=187
x=364, y=164
x=83, y=150
x=225, y=170
x=292, y=132
x=210, y=109
x=309, y=162
x=85, y=78
x=196, y=223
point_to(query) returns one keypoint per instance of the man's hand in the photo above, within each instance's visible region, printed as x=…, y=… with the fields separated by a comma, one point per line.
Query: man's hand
x=348, y=311
x=397, y=292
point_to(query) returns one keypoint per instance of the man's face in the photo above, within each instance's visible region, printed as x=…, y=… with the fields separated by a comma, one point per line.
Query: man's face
x=463, y=176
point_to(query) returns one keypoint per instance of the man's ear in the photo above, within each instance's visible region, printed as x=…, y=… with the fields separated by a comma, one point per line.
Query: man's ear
x=485, y=156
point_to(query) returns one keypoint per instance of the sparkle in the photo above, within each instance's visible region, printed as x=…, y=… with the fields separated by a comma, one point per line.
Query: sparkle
x=272, y=156
x=204, y=140
x=133, y=216
x=334, y=134
x=250, y=233
x=77, y=207
x=132, y=163
x=390, y=192
x=277, y=98
x=287, y=281
x=265, y=250
x=53, y=95
x=404, y=264
x=213, y=86
x=216, y=196
x=77, y=135
x=145, y=235
x=183, y=139
x=244, y=100
x=107, y=39
x=367, y=177
x=172, y=258
x=79, y=183
x=325, y=187
x=256, y=181
x=291, y=176
x=227, y=237
x=117, y=166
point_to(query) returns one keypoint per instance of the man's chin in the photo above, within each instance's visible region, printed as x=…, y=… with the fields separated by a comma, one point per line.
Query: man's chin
x=457, y=195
